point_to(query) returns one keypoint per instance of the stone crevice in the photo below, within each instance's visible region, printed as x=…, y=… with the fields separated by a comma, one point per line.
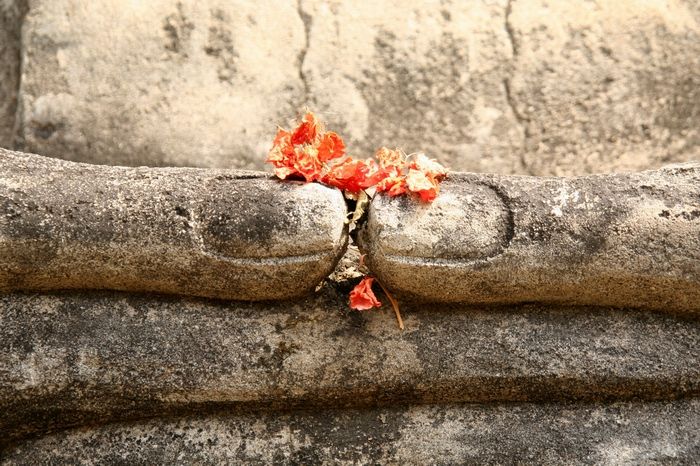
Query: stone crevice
x=12, y=16
x=306, y=19
x=522, y=121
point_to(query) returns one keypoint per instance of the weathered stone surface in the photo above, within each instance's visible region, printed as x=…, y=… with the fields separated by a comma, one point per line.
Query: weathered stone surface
x=602, y=86
x=11, y=12
x=75, y=358
x=426, y=76
x=161, y=82
x=213, y=233
x=618, y=240
x=509, y=86
x=620, y=433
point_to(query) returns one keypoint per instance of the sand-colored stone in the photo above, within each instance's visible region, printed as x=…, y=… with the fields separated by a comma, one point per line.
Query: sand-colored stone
x=204, y=232
x=606, y=86
x=159, y=82
x=508, y=86
x=427, y=76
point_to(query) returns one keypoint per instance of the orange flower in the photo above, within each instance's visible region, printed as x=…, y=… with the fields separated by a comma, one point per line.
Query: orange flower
x=352, y=175
x=394, y=183
x=302, y=153
x=307, y=131
x=307, y=164
x=423, y=184
x=330, y=147
x=314, y=154
x=362, y=297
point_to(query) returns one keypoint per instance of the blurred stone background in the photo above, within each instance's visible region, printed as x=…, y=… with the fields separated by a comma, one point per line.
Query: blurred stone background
x=512, y=86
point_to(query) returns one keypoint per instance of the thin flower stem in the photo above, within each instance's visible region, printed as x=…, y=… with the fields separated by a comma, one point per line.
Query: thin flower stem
x=394, y=304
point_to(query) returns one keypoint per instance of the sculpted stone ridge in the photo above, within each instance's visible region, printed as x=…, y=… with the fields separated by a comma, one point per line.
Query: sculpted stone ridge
x=70, y=359
x=638, y=433
x=212, y=233
x=629, y=240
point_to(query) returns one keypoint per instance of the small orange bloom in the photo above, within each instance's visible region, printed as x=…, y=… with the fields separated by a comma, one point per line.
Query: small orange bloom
x=362, y=297
x=422, y=184
x=311, y=153
x=303, y=152
x=394, y=184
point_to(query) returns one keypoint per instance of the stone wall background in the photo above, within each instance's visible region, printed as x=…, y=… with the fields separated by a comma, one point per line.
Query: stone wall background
x=510, y=86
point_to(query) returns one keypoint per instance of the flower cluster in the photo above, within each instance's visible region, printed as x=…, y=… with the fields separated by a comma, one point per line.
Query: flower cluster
x=311, y=153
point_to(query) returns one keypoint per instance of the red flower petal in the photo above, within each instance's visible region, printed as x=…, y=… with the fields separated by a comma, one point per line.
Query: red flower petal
x=306, y=163
x=393, y=185
x=307, y=131
x=362, y=297
x=351, y=175
x=330, y=147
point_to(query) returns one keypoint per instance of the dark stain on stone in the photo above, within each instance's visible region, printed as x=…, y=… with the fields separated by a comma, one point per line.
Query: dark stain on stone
x=233, y=226
x=178, y=30
x=182, y=212
x=45, y=130
x=220, y=46
x=690, y=216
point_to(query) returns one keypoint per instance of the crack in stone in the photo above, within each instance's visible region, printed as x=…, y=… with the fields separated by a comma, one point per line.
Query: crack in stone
x=509, y=28
x=306, y=19
x=522, y=121
x=21, y=8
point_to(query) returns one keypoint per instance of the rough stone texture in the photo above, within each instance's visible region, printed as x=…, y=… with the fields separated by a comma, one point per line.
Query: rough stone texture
x=426, y=76
x=85, y=358
x=606, y=85
x=618, y=240
x=213, y=233
x=160, y=82
x=509, y=86
x=620, y=433
x=11, y=12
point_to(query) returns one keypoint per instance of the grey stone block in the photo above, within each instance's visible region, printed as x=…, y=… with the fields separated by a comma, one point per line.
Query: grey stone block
x=89, y=358
x=516, y=433
x=219, y=234
x=614, y=240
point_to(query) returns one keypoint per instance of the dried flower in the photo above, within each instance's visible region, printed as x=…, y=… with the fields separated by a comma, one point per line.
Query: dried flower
x=362, y=297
